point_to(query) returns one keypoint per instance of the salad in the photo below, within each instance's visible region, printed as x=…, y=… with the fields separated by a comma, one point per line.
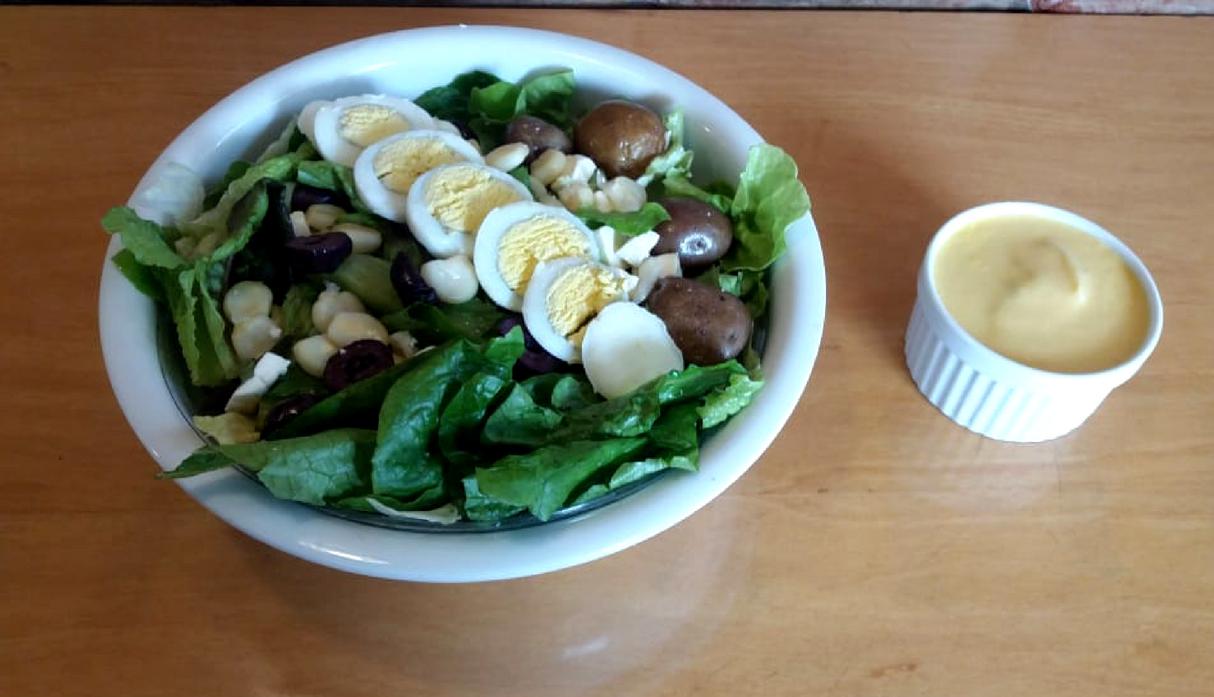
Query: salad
x=472, y=305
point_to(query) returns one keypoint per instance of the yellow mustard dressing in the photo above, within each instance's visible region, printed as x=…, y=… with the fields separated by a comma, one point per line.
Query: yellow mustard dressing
x=1042, y=293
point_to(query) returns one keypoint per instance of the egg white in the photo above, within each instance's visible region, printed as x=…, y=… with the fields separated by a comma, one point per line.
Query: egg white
x=326, y=134
x=489, y=240
x=436, y=237
x=385, y=202
x=535, y=307
x=627, y=346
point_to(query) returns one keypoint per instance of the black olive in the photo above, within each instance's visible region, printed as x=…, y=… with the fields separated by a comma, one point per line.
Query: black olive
x=698, y=232
x=707, y=324
x=535, y=360
x=304, y=196
x=288, y=409
x=357, y=361
x=538, y=135
x=318, y=253
x=408, y=282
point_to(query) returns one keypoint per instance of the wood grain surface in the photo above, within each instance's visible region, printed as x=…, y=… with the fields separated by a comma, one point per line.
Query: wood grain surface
x=875, y=550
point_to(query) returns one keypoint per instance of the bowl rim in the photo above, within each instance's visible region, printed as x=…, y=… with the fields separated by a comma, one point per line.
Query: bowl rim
x=797, y=317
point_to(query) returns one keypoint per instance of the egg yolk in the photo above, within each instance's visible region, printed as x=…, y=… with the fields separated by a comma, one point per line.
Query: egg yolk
x=399, y=164
x=527, y=243
x=460, y=197
x=579, y=294
x=369, y=123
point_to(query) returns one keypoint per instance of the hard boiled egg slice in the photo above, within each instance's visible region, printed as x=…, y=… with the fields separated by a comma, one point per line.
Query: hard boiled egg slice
x=307, y=118
x=565, y=294
x=384, y=172
x=515, y=238
x=343, y=128
x=447, y=205
x=625, y=347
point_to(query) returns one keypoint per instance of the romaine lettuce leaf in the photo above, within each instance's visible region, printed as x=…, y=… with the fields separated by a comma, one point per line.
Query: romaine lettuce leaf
x=462, y=419
x=543, y=480
x=356, y=405
x=403, y=464
x=332, y=176
x=629, y=224
x=726, y=401
x=492, y=106
x=146, y=241
x=769, y=199
x=140, y=276
x=313, y=469
x=520, y=421
x=676, y=161
x=678, y=185
x=450, y=102
x=474, y=320
x=215, y=219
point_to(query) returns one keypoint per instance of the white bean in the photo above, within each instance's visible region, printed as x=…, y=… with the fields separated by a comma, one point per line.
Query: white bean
x=246, y=300
x=365, y=239
x=651, y=271
x=253, y=337
x=578, y=170
x=331, y=301
x=403, y=344
x=453, y=279
x=508, y=156
x=575, y=197
x=299, y=224
x=601, y=202
x=626, y=195
x=322, y=216
x=541, y=193
x=548, y=166
x=313, y=353
x=348, y=327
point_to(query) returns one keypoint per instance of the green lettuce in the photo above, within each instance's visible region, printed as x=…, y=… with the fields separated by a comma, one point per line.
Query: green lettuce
x=629, y=224
x=491, y=107
x=450, y=102
x=719, y=195
x=726, y=401
x=676, y=161
x=312, y=469
x=146, y=242
x=542, y=480
x=403, y=463
x=215, y=219
x=428, y=323
x=768, y=200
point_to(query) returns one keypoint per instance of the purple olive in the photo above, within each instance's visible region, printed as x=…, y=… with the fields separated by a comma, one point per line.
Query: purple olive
x=538, y=135
x=288, y=409
x=304, y=196
x=408, y=282
x=357, y=361
x=535, y=360
x=318, y=253
x=698, y=232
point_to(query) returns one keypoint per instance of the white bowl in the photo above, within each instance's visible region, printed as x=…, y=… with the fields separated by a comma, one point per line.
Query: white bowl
x=407, y=63
x=989, y=393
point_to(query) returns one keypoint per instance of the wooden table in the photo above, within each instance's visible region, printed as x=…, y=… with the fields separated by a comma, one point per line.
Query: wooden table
x=875, y=550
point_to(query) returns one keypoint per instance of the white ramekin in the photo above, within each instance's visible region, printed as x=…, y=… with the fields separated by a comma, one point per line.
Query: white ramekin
x=989, y=393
